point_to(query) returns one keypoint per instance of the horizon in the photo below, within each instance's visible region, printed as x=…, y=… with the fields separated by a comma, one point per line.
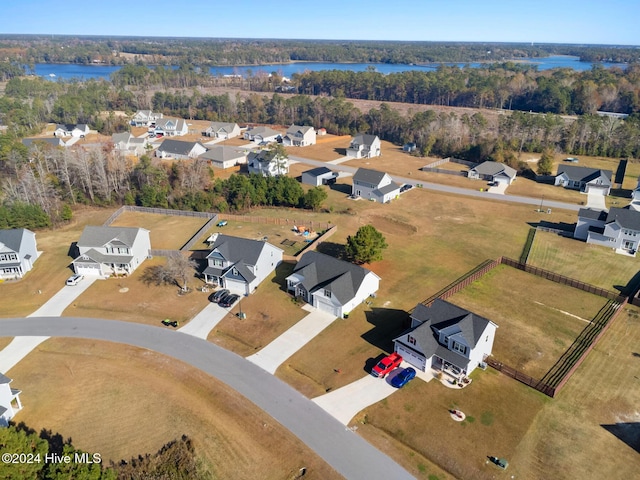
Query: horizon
x=571, y=22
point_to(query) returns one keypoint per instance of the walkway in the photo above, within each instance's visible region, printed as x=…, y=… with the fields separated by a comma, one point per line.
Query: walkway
x=274, y=354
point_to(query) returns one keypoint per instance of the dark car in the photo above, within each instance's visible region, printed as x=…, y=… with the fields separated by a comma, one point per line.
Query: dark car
x=404, y=377
x=229, y=300
x=405, y=187
x=216, y=297
x=170, y=323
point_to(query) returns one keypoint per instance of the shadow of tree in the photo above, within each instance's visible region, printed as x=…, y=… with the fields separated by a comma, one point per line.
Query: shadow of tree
x=332, y=249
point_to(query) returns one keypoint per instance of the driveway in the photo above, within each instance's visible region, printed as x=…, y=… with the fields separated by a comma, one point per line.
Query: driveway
x=17, y=350
x=274, y=354
x=65, y=297
x=349, y=454
x=596, y=200
x=201, y=325
x=500, y=188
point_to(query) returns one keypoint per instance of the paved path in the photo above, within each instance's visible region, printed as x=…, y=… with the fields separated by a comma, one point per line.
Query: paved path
x=65, y=297
x=500, y=188
x=201, y=325
x=596, y=201
x=17, y=350
x=349, y=454
x=274, y=354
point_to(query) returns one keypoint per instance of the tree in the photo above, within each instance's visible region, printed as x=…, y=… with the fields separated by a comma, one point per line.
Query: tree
x=181, y=269
x=366, y=246
x=545, y=164
x=314, y=197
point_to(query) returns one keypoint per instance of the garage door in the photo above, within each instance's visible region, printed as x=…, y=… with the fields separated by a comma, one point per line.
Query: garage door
x=411, y=357
x=87, y=269
x=328, y=307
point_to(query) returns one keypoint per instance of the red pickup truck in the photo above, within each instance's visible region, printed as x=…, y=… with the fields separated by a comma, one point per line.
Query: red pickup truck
x=386, y=365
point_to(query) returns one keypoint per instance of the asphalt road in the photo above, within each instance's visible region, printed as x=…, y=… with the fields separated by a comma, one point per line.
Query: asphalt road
x=448, y=189
x=344, y=450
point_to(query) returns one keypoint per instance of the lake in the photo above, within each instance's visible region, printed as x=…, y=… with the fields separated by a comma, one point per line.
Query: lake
x=56, y=71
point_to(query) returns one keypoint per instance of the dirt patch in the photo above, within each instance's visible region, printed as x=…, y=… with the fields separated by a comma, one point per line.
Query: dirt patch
x=392, y=225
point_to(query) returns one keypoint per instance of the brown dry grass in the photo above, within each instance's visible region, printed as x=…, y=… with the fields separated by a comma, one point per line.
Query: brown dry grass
x=52, y=267
x=123, y=401
x=536, y=318
x=4, y=341
x=329, y=147
x=167, y=232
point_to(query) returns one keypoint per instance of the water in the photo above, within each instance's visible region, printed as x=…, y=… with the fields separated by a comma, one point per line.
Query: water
x=56, y=71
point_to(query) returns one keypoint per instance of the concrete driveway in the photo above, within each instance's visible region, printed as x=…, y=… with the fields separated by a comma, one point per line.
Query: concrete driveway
x=201, y=325
x=274, y=354
x=17, y=350
x=500, y=188
x=65, y=297
x=596, y=200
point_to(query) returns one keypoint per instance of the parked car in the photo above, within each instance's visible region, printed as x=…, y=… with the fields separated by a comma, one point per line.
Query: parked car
x=404, y=377
x=386, y=365
x=170, y=323
x=405, y=187
x=222, y=223
x=229, y=300
x=215, y=298
x=74, y=279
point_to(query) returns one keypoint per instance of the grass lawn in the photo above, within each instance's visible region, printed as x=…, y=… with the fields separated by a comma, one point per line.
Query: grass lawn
x=537, y=319
x=4, y=341
x=593, y=264
x=131, y=300
x=327, y=148
x=270, y=312
x=52, y=267
x=123, y=401
x=167, y=232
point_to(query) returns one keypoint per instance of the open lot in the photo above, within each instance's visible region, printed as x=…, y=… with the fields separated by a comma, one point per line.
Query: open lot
x=167, y=232
x=537, y=319
x=327, y=148
x=593, y=264
x=123, y=401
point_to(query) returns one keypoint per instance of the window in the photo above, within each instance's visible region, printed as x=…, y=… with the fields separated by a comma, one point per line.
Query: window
x=217, y=262
x=234, y=271
x=327, y=293
x=411, y=340
x=8, y=257
x=457, y=347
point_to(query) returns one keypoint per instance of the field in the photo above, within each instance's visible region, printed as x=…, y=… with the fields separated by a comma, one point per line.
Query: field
x=591, y=264
x=537, y=319
x=122, y=401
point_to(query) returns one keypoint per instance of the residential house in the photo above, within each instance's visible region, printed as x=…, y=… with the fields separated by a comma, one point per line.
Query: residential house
x=222, y=156
x=9, y=401
x=128, y=144
x=322, y=131
x=447, y=338
x=171, y=127
x=298, y=136
x=145, y=118
x=47, y=142
x=222, y=130
x=364, y=146
x=493, y=172
x=240, y=264
x=104, y=251
x=619, y=228
x=267, y=163
x=409, y=147
x=319, y=176
x=180, y=150
x=261, y=135
x=18, y=252
x=374, y=185
x=67, y=130
x=331, y=285
x=584, y=179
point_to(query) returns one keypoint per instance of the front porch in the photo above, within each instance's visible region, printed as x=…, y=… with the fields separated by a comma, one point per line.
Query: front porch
x=450, y=375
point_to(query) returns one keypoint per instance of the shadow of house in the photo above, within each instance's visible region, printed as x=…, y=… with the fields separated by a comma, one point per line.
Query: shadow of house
x=387, y=323
x=73, y=251
x=566, y=228
x=341, y=187
x=282, y=272
x=632, y=288
x=629, y=433
x=341, y=151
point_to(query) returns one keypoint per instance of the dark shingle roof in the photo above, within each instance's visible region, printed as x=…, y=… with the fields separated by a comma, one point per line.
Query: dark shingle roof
x=316, y=172
x=177, y=147
x=364, y=139
x=494, y=168
x=592, y=214
x=626, y=218
x=368, y=176
x=13, y=238
x=583, y=174
x=387, y=189
x=4, y=379
x=238, y=251
x=221, y=153
x=100, y=236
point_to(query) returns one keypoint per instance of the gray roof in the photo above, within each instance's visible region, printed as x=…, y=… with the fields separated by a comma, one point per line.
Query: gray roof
x=221, y=153
x=224, y=126
x=387, y=189
x=4, y=379
x=494, y=168
x=368, y=176
x=162, y=122
x=177, y=147
x=100, y=236
x=263, y=132
x=121, y=137
x=67, y=127
x=238, y=251
x=97, y=257
x=266, y=156
x=316, y=172
x=293, y=129
x=626, y=218
x=56, y=142
x=13, y=238
x=592, y=214
x=364, y=139
x=342, y=279
x=583, y=174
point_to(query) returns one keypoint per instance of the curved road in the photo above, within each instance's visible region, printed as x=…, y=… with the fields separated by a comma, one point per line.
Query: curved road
x=346, y=452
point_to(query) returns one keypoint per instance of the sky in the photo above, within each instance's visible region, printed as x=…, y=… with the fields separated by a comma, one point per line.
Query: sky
x=612, y=22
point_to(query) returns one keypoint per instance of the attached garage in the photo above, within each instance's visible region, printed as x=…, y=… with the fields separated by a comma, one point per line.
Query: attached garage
x=411, y=356
x=88, y=269
x=326, y=307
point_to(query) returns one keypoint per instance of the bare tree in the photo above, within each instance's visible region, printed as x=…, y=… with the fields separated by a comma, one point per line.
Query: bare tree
x=181, y=269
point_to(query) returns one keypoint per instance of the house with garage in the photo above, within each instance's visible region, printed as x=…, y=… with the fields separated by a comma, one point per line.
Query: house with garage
x=493, y=172
x=171, y=127
x=240, y=264
x=446, y=338
x=105, y=251
x=261, y=135
x=267, y=163
x=374, y=185
x=222, y=130
x=9, y=401
x=619, y=228
x=127, y=144
x=222, y=156
x=331, y=285
x=299, y=136
x=180, y=150
x=364, y=146
x=18, y=252
x=319, y=176
x=145, y=118
x=584, y=179
x=68, y=130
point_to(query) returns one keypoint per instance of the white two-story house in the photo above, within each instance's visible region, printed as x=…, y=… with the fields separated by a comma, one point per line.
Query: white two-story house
x=18, y=252
x=364, y=146
x=240, y=264
x=374, y=185
x=618, y=229
x=171, y=127
x=267, y=163
x=145, y=118
x=9, y=401
x=105, y=251
x=299, y=136
x=446, y=337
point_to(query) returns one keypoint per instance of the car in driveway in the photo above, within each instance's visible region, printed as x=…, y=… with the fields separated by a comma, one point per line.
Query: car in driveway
x=229, y=300
x=217, y=296
x=74, y=279
x=405, y=187
x=386, y=365
x=404, y=377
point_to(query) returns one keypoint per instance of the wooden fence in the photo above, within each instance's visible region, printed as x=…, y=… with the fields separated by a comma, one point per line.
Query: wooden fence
x=521, y=377
x=447, y=172
x=199, y=233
